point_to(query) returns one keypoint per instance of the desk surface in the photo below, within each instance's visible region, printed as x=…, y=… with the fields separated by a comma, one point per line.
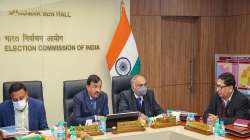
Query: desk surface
x=170, y=133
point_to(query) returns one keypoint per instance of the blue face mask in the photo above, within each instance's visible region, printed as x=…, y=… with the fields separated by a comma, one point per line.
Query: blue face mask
x=142, y=91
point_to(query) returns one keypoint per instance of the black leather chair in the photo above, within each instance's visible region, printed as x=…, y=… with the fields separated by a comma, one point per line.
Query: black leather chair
x=119, y=83
x=34, y=88
x=70, y=89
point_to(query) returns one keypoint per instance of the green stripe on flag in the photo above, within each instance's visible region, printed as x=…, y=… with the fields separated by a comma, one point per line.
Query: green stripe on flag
x=137, y=67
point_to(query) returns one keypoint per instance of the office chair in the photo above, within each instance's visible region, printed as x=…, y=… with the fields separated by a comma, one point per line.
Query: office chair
x=70, y=89
x=34, y=88
x=119, y=83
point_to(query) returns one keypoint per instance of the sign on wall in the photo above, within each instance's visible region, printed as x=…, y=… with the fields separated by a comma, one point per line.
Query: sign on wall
x=56, y=40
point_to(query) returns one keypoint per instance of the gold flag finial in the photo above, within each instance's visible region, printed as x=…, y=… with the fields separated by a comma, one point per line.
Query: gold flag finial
x=122, y=5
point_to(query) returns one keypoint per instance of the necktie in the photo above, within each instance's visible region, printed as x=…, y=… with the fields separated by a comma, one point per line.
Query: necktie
x=93, y=104
x=223, y=112
x=138, y=103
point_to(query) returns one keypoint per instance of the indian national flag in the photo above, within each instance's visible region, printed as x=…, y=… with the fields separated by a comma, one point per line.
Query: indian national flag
x=122, y=56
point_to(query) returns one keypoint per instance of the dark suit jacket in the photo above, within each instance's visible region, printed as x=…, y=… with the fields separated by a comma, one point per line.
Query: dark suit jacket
x=127, y=103
x=83, y=110
x=37, y=114
x=238, y=107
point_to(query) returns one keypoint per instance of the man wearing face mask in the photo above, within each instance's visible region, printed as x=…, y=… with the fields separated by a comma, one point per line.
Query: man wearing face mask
x=91, y=102
x=22, y=111
x=139, y=98
x=228, y=103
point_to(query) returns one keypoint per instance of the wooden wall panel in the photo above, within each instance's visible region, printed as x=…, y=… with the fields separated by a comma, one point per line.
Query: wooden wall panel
x=237, y=33
x=178, y=37
x=192, y=7
x=237, y=7
x=211, y=35
x=159, y=96
x=180, y=7
x=168, y=97
x=220, y=36
x=201, y=98
x=174, y=97
x=204, y=53
x=212, y=7
x=145, y=7
x=147, y=32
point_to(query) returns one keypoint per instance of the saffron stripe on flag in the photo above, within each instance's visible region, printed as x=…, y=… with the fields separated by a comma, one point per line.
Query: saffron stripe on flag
x=120, y=38
x=122, y=56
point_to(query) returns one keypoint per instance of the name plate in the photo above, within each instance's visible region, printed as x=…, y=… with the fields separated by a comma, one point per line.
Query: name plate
x=92, y=130
x=164, y=122
x=198, y=127
x=128, y=126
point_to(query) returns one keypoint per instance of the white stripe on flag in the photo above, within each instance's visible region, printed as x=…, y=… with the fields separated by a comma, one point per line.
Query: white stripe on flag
x=129, y=51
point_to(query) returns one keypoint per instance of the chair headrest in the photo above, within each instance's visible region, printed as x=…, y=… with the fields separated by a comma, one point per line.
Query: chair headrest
x=120, y=83
x=34, y=88
x=72, y=87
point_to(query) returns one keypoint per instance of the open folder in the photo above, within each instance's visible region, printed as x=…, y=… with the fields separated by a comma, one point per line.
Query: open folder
x=237, y=130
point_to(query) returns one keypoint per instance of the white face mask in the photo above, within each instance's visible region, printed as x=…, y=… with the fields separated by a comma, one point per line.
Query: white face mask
x=20, y=105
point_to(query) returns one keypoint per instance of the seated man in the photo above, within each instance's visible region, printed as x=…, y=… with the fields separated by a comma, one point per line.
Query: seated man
x=91, y=102
x=228, y=104
x=139, y=98
x=22, y=111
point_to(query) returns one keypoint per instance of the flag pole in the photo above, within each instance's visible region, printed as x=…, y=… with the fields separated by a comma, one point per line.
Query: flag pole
x=122, y=5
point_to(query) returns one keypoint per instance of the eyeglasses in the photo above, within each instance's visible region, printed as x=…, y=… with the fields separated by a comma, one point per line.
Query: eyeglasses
x=219, y=87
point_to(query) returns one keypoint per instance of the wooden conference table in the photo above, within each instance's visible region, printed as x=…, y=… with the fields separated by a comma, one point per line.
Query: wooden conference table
x=169, y=133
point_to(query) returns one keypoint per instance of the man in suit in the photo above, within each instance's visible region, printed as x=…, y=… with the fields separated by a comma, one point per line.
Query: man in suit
x=22, y=111
x=139, y=98
x=91, y=102
x=228, y=104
